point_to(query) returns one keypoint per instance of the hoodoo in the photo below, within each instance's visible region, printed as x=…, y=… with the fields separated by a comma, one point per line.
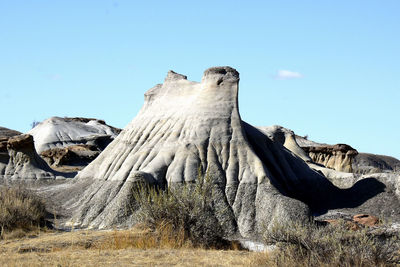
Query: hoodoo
x=185, y=126
x=19, y=160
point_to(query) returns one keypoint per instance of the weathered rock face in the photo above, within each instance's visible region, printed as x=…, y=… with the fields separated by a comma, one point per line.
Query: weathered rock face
x=4, y=157
x=339, y=157
x=74, y=157
x=185, y=126
x=287, y=138
x=23, y=162
x=346, y=159
x=365, y=163
x=5, y=134
x=63, y=132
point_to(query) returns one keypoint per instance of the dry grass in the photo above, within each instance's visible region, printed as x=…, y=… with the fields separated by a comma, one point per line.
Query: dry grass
x=144, y=238
x=21, y=211
x=332, y=245
x=135, y=247
x=188, y=210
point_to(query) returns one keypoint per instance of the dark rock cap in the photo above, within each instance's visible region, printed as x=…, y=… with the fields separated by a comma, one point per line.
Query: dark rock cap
x=21, y=141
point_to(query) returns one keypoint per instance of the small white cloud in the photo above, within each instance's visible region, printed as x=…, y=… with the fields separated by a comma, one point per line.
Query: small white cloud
x=287, y=75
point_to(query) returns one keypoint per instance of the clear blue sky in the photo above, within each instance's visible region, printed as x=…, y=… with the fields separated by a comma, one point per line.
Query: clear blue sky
x=329, y=69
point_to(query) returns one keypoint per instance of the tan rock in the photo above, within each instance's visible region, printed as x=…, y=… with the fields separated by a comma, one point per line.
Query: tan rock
x=75, y=155
x=338, y=157
x=365, y=219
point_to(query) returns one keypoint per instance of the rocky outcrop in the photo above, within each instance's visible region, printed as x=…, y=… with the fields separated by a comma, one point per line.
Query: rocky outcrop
x=70, y=144
x=365, y=163
x=339, y=157
x=185, y=127
x=22, y=161
x=356, y=222
x=287, y=138
x=366, y=219
x=59, y=132
x=344, y=158
x=6, y=133
x=74, y=157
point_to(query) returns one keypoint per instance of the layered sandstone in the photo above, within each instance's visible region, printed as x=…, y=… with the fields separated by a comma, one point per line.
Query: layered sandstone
x=339, y=157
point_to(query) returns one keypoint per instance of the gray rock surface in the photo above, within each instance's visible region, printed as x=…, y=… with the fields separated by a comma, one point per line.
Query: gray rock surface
x=384, y=203
x=372, y=179
x=59, y=132
x=287, y=138
x=365, y=163
x=185, y=126
x=21, y=162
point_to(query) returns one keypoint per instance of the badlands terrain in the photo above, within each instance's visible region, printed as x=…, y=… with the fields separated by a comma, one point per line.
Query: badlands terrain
x=87, y=171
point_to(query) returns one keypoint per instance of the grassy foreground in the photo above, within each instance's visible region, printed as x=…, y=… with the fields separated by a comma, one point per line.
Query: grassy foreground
x=178, y=228
x=113, y=248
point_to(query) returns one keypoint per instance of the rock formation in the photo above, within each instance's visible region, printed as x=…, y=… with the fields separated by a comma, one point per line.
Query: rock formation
x=365, y=163
x=287, y=138
x=6, y=133
x=19, y=160
x=59, y=132
x=344, y=158
x=339, y=157
x=185, y=126
x=74, y=157
x=72, y=143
